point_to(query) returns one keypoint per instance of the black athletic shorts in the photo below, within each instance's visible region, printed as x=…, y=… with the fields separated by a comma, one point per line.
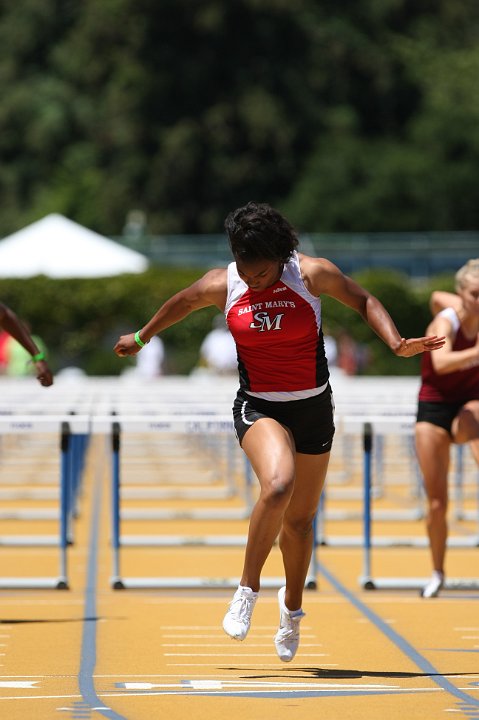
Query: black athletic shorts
x=438, y=413
x=311, y=420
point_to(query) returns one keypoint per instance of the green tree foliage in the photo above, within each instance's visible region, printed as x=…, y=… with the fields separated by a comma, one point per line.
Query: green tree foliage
x=349, y=116
x=400, y=150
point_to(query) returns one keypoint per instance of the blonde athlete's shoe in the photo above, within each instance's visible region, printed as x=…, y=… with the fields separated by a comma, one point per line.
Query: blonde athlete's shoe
x=237, y=620
x=286, y=639
x=435, y=584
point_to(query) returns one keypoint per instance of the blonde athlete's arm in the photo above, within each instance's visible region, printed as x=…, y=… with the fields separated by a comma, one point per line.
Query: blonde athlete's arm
x=440, y=299
x=448, y=360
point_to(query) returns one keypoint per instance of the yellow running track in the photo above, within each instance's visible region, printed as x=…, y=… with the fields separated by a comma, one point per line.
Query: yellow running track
x=92, y=651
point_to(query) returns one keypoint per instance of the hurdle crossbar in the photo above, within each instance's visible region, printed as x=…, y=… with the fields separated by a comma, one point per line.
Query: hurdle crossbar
x=116, y=425
x=370, y=427
x=66, y=425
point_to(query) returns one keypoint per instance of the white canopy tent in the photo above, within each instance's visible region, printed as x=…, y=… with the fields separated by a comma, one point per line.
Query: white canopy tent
x=60, y=248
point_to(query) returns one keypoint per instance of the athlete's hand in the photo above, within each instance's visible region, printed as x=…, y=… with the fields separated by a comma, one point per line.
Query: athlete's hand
x=414, y=346
x=44, y=374
x=127, y=345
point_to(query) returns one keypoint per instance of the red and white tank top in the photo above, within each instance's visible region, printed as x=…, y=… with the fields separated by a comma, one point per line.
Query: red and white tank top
x=278, y=336
x=458, y=386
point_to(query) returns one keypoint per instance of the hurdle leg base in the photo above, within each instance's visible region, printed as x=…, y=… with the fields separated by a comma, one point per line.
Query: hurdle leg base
x=418, y=583
x=33, y=583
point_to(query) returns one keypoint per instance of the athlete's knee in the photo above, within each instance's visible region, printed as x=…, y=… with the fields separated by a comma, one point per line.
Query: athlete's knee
x=278, y=489
x=466, y=425
x=299, y=525
x=438, y=506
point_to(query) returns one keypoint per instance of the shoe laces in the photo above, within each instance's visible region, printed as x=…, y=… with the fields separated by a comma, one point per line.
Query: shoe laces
x=241, y=607
x=289, y=628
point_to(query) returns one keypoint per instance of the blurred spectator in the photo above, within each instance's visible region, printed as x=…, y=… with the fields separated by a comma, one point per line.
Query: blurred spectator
x=331, y=349
x=218, y=349
x=347, y=354
x=149, y=363
x=353, y=357
x=135, y=225
x=4, y=340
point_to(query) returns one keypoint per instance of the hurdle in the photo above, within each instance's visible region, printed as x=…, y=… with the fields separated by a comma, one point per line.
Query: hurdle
x=70, y=465
x=386, y=474
x=208, y=443
x=371, y=427
x=77, y=445
x=179, y=493
x=460, y=513
x=193, y=425
x=176, y=489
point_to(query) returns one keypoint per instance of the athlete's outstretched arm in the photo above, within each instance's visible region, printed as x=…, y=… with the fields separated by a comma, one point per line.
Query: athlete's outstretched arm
x=10, y=322
x=208, y=290
x=323, y=277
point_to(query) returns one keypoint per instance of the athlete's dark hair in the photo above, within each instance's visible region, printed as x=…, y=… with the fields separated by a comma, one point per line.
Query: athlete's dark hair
x=257, y=231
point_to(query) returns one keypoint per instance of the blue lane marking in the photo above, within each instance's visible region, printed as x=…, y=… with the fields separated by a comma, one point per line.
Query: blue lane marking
x=453, y=650
x=88, y=651
x=471, y=702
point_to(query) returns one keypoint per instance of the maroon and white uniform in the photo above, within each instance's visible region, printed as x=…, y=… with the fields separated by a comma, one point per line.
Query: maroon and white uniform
x=455, y=387
x=278, y=336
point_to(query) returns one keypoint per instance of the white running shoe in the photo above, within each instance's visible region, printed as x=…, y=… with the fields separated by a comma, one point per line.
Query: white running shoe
x=286, y=639
x=435, y=584
x=237, y=620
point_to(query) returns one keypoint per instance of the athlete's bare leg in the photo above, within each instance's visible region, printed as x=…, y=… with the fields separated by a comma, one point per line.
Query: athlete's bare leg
x=270, y=449
x=465, y=427
x=296, y=537
x=432, y=446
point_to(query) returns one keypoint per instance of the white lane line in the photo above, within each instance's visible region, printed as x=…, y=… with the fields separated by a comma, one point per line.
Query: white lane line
x=221, y=645
x=187, y=628
x=75, y=709
x=466, y=629
x=37, y=601
x=224, y=685
x=222, y=636
x=39, y=697
x=257, y=665
x=277, y=691
x=228, y=655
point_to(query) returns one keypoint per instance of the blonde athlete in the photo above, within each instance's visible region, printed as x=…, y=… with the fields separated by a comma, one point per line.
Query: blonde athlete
x=448, y=408
x=283, y=412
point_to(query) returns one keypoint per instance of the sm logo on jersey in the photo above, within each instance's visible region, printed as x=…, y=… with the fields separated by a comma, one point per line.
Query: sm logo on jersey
x=264, y=322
